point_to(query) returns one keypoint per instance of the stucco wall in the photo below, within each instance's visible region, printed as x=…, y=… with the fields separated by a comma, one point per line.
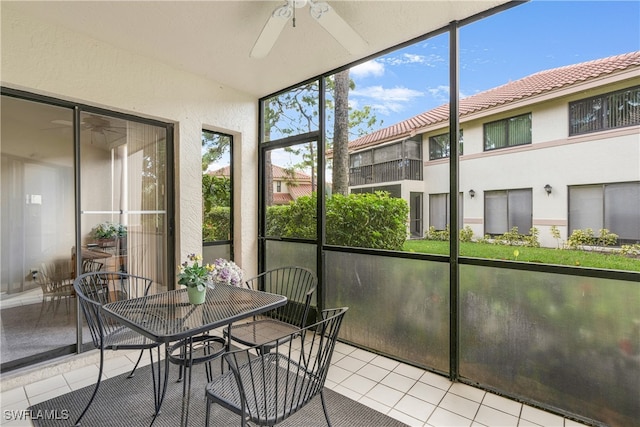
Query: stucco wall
x=552, y=158
x=50, y=60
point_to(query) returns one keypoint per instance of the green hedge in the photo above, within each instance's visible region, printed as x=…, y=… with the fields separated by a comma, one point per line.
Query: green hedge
x=216, y=224
x=367, y=220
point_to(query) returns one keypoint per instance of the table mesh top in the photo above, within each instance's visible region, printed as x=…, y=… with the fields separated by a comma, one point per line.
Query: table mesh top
x=169, y=316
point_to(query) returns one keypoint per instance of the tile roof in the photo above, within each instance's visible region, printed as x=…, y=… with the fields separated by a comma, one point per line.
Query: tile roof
x=279, y=173
x=535, y=84
x=283, y=174
x=299, y=190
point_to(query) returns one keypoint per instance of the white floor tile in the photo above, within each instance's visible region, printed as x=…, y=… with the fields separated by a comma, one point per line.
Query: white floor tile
x=338, y=374
x=502, y=404
x=362, y=355
x=541, y=417
x=572, y=423
x=350, y=364
x=404, y=418
x=460, y=405
x=385, y=395
x=39, y=398
x=398, y=382
x=427, y=393
x=436, y=380
x=385, y=363
x=83, y=374
x=443, y=418
x=374, y=405
x=45, y=386
x=347, y=392
x=409, y=371
x=11, y=396
x=373, y=372
x=468, y=392
x=344, y=348
x=359, y=384
x=492, y=417
x=416, y=408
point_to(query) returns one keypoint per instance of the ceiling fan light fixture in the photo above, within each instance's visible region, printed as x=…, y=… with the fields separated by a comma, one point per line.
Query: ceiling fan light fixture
x=318, y=8
x=322, y=12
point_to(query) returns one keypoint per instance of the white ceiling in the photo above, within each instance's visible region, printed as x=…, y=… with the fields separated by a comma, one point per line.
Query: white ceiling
x=214, y=38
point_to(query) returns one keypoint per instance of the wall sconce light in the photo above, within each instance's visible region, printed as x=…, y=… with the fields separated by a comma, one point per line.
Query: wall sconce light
x=472, y=193
x=547, y=188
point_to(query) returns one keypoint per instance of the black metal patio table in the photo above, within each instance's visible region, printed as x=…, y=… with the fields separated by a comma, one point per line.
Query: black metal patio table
x=168, y=317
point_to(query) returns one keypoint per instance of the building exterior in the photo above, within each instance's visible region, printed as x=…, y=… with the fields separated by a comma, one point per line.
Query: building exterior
x=571, y=138
x=287, y=185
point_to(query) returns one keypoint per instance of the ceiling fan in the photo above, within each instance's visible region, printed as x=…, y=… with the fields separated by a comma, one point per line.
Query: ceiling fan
x=326, y=16
x=103, y=131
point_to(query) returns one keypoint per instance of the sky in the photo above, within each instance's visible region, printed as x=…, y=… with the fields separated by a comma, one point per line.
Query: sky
x=531, y=37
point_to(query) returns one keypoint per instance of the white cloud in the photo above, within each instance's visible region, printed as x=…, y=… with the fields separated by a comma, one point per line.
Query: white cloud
x=412, y=58
x=387, y=100
x=369, y=68
x=440, y=93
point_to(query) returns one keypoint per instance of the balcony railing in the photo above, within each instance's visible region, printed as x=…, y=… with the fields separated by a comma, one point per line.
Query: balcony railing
x=395, y=170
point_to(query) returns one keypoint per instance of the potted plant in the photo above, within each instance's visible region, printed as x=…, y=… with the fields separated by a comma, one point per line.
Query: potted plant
x=226, y=272
x=195, y=277
x=107, y=232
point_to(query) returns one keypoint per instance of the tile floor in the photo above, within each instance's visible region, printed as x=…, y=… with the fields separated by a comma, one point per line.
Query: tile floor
x=409, y=394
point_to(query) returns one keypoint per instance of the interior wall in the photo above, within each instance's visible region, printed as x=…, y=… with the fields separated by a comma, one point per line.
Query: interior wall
x=49, y=60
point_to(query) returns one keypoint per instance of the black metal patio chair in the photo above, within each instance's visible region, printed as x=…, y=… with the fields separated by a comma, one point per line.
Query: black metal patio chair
x=95, y=289
x=298, y=285
x=268, y=383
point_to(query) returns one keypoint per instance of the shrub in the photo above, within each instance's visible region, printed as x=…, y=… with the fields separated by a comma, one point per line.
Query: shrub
x=216, y=224
x=586, y=237
x=368, y=220
x=440, y=235
x=630, y=250
x=466, y=234
x=513, y=238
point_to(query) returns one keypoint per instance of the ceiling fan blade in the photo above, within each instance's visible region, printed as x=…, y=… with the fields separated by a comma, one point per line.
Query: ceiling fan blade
x=329, y=19
x=271, y=31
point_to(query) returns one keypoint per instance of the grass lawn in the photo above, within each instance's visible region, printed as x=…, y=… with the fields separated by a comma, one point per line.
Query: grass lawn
x=538, y=255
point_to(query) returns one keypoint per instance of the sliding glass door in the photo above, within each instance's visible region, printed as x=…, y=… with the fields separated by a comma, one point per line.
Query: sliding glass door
x=75, y=177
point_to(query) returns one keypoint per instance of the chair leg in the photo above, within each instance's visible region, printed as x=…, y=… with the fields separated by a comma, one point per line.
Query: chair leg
x=95, y=390
x=324, y=408
x=133, y=371
x=42, y=310
x=208, y=409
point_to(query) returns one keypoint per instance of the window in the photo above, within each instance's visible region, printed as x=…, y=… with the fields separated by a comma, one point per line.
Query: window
x=217, y=183
x=508, y=132
x=506, y=209
x=615, y=207
x=607, y=111
x=439, y=146
x=439, y=211
x=278, y=186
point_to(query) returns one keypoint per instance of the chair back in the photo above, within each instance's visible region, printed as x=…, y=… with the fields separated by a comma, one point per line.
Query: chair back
x=89, y=265
x=278, y=383
x=296, y=283
x=95, y=289
x=54, y=281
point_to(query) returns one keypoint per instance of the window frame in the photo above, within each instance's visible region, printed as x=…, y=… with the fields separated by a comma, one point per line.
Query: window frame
x=510, y=223
x=603, y=215
x=602, y=115
x=446, y=145
x=507, y=121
